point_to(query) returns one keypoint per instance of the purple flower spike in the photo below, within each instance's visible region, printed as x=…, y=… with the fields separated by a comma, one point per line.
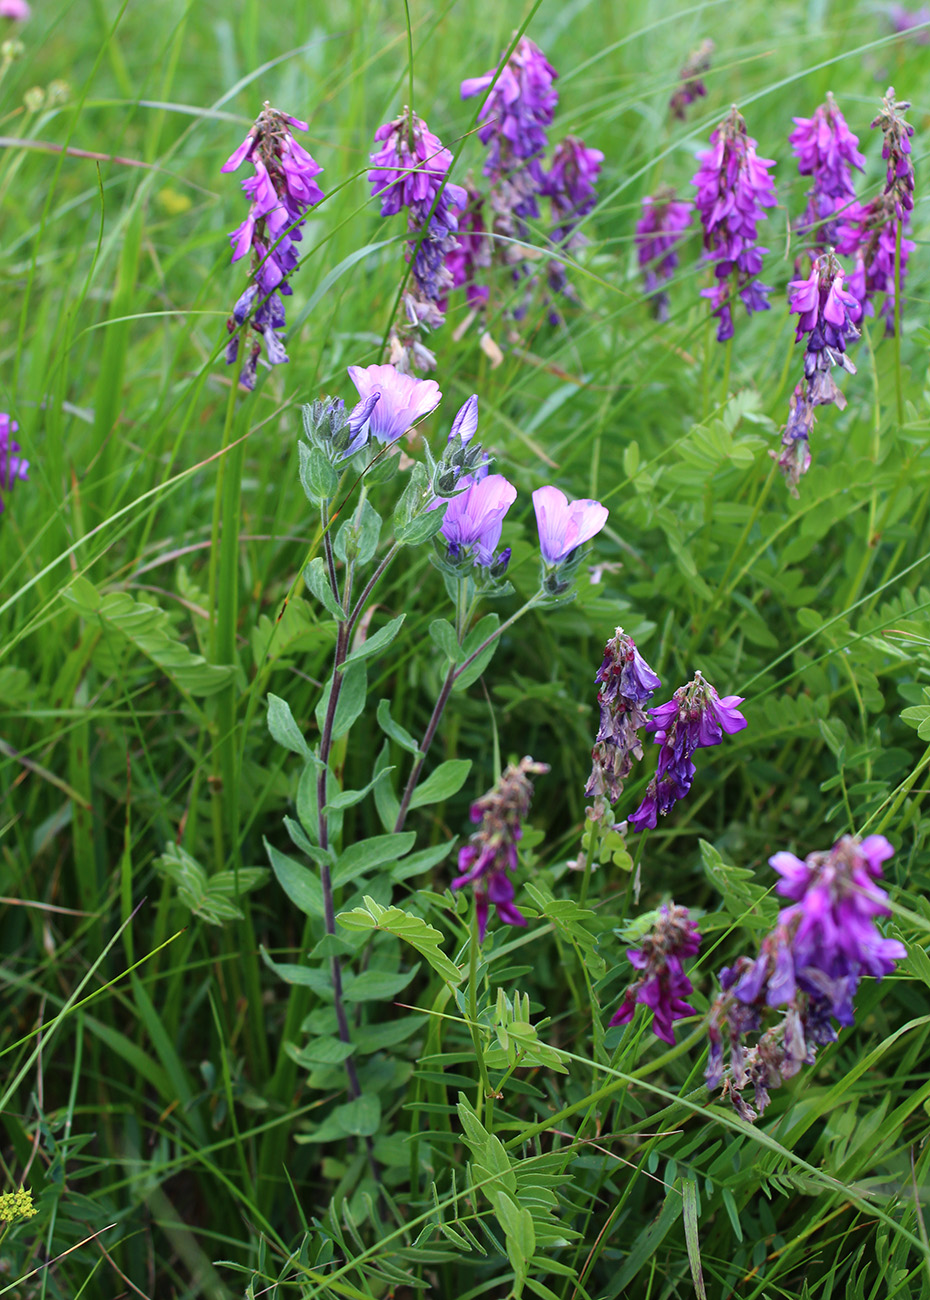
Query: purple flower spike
x=281, y=191
x=12, y=467
x=563, y=527
x=569, y=183
x=627, y=683
x=811, y=965
x=474, y=519
x=18, y=10
x=870, y=231
x=691, y=81
x=733, y=190
x=659, y=231
x=694, y=718
x=663, y=985
x=519, y=108
x=402, y=399
x=827, y=314
x=826, y=150
x=473, y=250
x=410, y=171
x=492, y=851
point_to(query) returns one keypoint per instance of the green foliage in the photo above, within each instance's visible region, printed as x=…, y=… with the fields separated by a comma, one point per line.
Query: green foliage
x=195, y=1108
x=146, y=628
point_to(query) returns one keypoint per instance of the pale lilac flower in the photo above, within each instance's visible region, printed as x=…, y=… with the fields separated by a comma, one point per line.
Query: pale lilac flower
x=627, y=683
x=733, y=190
x=696, y=717
x=663, y=984
x=281, y=191
x=563, y=526
x=491, y=854
x=826, y=150
x=12, y=467
x=692, y=86
x=659, y=232
x=18, y=10
x=402, y=399
x=811, y=964
x=474, y=519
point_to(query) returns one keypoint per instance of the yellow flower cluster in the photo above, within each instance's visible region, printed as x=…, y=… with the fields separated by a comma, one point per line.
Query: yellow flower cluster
x=16, y=1205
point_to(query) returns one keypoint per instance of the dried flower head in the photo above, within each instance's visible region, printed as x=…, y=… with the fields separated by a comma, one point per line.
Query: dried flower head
x=691, y=79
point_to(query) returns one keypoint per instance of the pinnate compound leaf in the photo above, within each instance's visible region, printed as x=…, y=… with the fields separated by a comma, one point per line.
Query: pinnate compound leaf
x=212, y=898
x=405, y=925
x=148, y=629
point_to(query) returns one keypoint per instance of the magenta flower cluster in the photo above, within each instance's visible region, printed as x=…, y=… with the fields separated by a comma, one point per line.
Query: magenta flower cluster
x=410, y=171
x=827, y=151
x=659, y=233
x=733, y=190
x=515, y=116
x=694, y=718
x=12, y=466
x=281, y=191
x=489, y=859
x=662, y=985
x=811, y=965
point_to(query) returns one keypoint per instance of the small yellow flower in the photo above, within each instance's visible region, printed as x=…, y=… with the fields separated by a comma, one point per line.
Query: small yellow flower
x=15, y=1206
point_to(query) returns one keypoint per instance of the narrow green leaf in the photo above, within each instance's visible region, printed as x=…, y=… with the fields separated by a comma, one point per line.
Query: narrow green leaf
x=395, y=730
x=284, y=729
x=316, y=576
x=374, y=644
x=409, y=927
x=301, y=885
x=442, y=634
x=689, y=1214
x=446, y=780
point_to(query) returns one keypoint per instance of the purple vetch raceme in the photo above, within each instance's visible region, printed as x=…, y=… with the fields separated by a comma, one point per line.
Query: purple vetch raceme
x=281, y=191
x=662, y=985
x=827, y=315
x=691, y=84
x=733, y=190
x=489, y=859
x=694, y=718
x=807, y=971
x=12, y=466
x=826, y=150
x=871, y=231
x=410, y=171
x=659, y=232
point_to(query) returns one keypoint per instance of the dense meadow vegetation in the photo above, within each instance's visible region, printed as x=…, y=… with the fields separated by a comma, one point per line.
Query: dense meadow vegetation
x=331, y=967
